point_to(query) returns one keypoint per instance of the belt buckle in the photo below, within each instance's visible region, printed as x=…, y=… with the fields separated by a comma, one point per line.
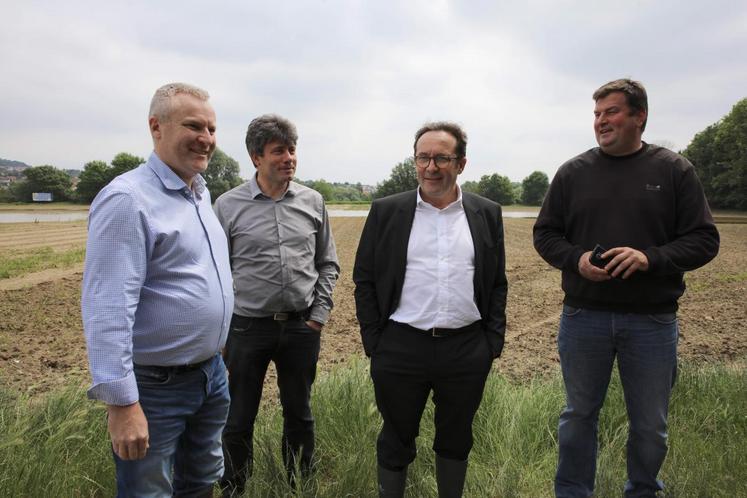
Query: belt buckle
x=281, y=317
x=435, y=332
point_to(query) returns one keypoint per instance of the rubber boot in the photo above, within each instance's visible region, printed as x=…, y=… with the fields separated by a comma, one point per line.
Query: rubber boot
x=450, y=475
x=392, y=482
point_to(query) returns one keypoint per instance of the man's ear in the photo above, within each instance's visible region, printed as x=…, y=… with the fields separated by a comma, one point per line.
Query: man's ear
x=155, y=127
x=461, y=164
x=254, y=158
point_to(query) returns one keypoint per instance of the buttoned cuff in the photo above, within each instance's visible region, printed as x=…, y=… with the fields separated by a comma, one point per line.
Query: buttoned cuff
x=120, y=392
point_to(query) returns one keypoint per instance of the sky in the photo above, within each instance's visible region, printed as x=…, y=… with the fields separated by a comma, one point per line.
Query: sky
x=358, y=78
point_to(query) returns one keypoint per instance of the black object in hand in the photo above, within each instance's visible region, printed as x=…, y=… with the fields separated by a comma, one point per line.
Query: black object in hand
x=596, y=257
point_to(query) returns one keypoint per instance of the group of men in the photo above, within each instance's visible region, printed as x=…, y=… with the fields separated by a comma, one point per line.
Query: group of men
x=185, y=304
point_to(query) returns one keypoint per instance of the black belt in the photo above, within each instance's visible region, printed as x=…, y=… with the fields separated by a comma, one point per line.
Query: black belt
x=441, y=332
x=280, y=316
x=177, y=369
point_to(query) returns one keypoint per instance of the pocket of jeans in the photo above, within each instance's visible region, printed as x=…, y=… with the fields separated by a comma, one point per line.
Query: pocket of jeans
x=663, y=318
x=151, y=376
x=570, y=310
x=242, y=328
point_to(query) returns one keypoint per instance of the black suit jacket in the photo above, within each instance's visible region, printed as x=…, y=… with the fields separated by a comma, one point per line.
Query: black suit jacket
x=380, y=262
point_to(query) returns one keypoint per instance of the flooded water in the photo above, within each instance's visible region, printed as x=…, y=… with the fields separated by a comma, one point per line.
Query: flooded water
x=333, y=213
x=39, y=216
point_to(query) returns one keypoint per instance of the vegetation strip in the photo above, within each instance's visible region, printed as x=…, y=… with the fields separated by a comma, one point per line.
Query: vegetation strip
x=58, y=445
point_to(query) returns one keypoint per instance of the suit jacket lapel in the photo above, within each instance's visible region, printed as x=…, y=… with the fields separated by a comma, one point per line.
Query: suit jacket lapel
x=477, y=228
x=404, y=216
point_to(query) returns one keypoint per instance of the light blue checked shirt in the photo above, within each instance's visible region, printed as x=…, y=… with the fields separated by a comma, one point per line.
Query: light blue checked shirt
x=157, y=286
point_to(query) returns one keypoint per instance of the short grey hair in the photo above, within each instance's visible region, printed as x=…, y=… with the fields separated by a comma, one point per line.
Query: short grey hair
x=452, y=129
x=269, y=128
x=160, y=105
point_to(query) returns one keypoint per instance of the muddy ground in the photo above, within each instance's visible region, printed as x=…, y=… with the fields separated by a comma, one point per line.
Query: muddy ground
x=42, y=346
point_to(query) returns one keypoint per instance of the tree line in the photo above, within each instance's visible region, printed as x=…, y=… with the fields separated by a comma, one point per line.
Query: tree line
x=719, y=154
x=531, y=191
x=221, y=175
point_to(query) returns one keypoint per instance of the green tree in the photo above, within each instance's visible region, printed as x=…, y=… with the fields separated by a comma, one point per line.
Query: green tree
x=471, y=186
x=497, y=188
x=719, y=154
x=222, y=174
x=533, y=188
x=43, y=179
x=124, y=162
x=402, y=178
x=95, y=175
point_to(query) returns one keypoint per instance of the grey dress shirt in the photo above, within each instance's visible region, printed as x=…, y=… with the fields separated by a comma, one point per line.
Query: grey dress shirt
x=283, y=255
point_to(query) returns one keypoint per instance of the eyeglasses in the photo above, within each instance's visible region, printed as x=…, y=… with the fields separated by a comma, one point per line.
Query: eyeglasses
x=422, y=161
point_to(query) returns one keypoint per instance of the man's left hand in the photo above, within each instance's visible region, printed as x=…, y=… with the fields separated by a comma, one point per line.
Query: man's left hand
x=314, y=325
x=625, y=261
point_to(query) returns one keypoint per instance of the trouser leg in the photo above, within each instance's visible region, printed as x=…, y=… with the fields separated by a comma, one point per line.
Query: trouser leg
x=249, y=348
x=587, y=353
x=647, y=361
x=295, y=361
x=461, y=366
x=399, y=374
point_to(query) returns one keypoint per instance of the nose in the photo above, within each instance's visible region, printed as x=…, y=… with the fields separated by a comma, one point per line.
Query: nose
x=205, y=136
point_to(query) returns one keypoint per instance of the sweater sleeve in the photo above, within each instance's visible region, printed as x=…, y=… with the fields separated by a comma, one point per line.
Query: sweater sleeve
x=696, y=239
x=550, y=230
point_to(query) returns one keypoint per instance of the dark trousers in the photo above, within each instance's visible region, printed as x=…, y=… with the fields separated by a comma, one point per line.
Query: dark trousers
x=252, y=344
x=405, y=367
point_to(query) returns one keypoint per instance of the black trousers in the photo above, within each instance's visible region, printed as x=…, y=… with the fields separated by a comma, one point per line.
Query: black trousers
x=405, y=367
x=252, y=344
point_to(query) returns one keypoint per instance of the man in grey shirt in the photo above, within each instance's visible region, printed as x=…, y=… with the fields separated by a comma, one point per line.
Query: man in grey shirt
x=284, y=266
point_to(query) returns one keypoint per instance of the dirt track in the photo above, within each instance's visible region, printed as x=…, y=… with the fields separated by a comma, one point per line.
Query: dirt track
x=42, y=346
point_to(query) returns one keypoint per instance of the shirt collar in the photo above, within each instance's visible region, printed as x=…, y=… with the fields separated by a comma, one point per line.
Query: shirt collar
x=255, y=191
x=171, y=180
x=457, y=202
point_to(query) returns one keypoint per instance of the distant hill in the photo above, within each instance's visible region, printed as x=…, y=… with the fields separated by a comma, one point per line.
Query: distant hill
x=9, y=163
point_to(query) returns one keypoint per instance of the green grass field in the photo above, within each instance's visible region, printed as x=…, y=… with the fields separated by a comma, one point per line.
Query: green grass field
x=57, y=446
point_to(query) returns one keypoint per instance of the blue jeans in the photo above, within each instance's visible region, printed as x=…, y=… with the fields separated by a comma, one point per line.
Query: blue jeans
x=186, y=412
x=646, y=351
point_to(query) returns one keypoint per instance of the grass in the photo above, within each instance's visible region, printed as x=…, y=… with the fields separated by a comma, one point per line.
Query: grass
x=33, y=260
x=58, y=446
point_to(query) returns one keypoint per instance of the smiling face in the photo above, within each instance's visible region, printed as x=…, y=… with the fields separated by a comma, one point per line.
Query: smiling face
x=438, y=185
x=276, y=166
x=618, y=129
x=185, y=138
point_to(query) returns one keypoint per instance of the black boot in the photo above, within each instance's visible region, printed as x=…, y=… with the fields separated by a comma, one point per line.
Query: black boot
x=392, y=482
x=450, y=476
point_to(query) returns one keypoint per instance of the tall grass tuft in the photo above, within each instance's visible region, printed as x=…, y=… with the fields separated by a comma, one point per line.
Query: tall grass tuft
x=58, y=446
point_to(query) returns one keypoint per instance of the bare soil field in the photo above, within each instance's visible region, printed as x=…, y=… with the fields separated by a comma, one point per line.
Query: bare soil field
x=42, y=345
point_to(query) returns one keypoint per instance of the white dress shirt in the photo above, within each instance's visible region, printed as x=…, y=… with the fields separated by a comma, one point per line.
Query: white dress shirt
x=438, y=290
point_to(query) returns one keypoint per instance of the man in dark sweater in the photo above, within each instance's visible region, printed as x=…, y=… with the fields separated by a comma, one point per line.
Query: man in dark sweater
x=646, y=206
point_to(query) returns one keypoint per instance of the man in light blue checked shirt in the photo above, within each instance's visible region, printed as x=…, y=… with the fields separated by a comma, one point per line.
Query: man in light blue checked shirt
x=157, y=302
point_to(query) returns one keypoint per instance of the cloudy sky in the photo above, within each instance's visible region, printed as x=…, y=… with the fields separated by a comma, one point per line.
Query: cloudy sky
x=359, y=77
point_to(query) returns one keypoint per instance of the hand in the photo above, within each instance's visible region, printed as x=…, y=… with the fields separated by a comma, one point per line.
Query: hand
x=314, y=325
x=625, y=261
x=128, y=429
x=589, y=271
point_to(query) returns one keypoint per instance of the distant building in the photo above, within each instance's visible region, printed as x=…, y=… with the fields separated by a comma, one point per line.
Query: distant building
x=41, y=197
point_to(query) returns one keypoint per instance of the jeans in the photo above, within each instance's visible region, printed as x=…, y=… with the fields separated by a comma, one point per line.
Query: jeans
x=646, y=351
x=186, y=412
x=252, y=344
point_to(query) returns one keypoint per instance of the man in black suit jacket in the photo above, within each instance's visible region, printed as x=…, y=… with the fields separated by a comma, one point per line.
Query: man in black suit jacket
x=430, y=293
